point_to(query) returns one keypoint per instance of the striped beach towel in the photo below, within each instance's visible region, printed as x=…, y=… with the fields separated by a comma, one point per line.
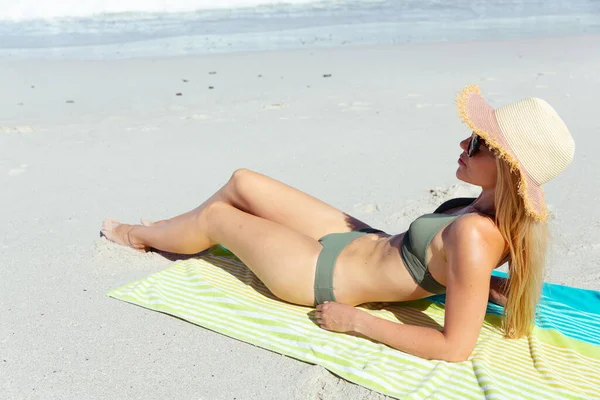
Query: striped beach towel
x=560, y=360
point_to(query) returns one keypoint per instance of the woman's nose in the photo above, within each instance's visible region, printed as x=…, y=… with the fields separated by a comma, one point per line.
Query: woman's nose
x=465, y=143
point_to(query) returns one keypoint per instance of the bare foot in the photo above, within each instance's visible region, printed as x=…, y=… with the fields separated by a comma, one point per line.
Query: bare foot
x=119, y=233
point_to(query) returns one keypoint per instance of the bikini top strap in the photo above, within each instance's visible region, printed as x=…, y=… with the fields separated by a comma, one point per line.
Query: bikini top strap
x=452, y=203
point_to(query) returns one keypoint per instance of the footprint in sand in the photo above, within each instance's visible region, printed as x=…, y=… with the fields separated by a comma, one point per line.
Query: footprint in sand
x=275, y=106
x=581, y=247
x=423, y=105
x=361, y=104
x=489, y=79
x=17, y=171
x=368, y=208
x=114, y=118
x=316, y=382
x=142, y=128
x=541, y=86
x=146, y=128
x=410, y=95
x=16, y=129
x=355, y=106
x=176, y=107
x=201, y=117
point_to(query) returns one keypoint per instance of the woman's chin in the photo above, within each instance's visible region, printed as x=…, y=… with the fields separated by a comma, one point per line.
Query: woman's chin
x=459, y=173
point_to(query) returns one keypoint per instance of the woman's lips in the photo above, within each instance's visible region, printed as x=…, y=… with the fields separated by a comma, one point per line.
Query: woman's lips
x=460, y=161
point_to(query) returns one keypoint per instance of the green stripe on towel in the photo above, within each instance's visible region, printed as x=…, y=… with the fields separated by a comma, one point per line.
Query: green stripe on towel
x=218, y=292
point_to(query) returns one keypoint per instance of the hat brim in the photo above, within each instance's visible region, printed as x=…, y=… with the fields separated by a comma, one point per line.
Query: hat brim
x=481, y=118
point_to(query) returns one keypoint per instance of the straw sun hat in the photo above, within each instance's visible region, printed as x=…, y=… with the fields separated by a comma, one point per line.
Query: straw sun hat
x=528, y=134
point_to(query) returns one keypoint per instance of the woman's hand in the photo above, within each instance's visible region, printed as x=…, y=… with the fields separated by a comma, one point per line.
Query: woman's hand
x=337, y=317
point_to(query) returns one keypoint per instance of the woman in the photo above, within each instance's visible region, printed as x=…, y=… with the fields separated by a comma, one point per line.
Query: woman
x=309, y=253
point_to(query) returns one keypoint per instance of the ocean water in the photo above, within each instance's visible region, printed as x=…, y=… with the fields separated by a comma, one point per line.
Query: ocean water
x=139, y=28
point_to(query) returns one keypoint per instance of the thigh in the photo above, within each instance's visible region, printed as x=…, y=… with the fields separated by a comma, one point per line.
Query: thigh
x=271, y=199
x=283, y=259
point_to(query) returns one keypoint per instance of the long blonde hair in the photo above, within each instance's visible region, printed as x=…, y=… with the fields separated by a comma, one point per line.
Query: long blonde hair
x=527, y=242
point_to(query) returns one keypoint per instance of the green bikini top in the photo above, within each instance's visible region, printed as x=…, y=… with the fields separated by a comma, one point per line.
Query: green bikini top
x=418, y=237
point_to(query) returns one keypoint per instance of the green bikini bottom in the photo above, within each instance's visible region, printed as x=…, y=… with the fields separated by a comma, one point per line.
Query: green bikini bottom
x=333, y=244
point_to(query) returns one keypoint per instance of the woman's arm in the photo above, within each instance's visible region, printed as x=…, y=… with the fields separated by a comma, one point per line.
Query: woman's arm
x=417, y=340
x=498, y=290
x=420, y=341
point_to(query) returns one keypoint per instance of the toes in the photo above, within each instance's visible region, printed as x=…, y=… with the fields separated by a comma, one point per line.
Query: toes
x=110, y=224
x=121, y=236
x=108, y=228
x=146, y=222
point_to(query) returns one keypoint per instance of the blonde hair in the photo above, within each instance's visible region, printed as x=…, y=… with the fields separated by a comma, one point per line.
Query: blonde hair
x=527, y=241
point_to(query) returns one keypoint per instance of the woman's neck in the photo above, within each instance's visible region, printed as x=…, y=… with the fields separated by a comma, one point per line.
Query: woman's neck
x=485, y=203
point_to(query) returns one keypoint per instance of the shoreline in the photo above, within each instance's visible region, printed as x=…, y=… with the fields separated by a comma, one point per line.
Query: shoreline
x=312, y=38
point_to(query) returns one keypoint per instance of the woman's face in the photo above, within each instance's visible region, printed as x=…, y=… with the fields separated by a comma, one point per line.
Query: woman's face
x=480, y=169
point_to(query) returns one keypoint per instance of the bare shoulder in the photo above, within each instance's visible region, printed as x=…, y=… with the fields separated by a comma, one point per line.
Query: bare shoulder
x=474, y=238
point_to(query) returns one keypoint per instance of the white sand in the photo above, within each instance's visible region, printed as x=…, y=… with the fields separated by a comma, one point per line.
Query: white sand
x=378, y=139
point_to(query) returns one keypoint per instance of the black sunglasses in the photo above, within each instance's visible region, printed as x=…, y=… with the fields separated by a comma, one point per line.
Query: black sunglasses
x=474, y=145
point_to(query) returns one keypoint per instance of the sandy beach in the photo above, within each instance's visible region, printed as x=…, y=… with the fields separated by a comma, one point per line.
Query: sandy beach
x=371, y=130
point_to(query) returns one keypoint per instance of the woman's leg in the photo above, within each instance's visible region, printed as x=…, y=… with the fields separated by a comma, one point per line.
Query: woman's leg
x=268, y=198
x=283, y=259
x=179, y=234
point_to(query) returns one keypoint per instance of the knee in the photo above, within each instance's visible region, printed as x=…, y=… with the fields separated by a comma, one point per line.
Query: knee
x=239, y=180
x=240, y=174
